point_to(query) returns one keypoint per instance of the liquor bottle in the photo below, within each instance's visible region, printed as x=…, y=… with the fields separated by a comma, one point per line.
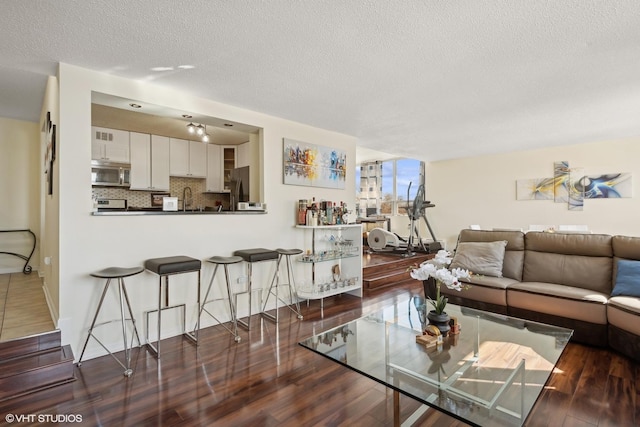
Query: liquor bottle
x=312, y=212
x=334, y=214
x=302, y=212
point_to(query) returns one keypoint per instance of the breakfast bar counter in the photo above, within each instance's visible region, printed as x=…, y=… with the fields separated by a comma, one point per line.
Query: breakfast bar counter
x=134, y=212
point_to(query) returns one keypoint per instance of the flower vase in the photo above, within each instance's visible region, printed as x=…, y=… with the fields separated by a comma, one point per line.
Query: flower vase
x=441, y=321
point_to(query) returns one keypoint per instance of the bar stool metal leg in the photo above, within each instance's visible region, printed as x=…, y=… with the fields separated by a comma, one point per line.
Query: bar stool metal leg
x=95, y=318
x=123, y=299
x=250, y=256
x=247, y=324
x=286, y=253
x=193, y=336
x=275, y=280
x=293, y=291
x=165, y=267
x=224, y=261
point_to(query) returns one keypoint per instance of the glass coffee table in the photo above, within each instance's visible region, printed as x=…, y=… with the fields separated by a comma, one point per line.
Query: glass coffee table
x=490, y=373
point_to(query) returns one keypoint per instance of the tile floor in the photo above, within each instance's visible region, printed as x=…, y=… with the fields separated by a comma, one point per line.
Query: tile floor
x=23, y=307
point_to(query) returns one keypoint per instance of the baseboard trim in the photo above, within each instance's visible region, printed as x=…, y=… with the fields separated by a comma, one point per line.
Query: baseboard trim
x=52, y=309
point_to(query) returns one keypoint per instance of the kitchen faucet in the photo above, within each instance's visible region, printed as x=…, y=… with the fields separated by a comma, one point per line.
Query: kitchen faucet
x=186, y=202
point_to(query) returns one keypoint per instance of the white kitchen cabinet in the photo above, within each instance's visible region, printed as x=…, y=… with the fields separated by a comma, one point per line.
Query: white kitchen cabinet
x=188, y=158
x=334, y=257
x=214, y=168
x=221, y=160
x=149, y=162
x=243, y=156
x=110, y=145
x=229, y=162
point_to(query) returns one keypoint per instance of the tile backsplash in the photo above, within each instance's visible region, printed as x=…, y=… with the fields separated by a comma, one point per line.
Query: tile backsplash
x=142, y=199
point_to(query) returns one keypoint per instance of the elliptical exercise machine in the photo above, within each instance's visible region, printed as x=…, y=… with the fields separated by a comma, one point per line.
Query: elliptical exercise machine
x=416, y=212
x=380, y=240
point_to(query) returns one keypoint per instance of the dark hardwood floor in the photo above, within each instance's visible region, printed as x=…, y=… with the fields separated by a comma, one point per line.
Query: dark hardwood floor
x=269, y=380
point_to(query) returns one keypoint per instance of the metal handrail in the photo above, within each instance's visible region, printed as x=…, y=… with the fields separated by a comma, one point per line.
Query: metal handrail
x=27, y=268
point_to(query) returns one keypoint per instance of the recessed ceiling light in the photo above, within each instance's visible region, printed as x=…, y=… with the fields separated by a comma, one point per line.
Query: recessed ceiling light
x=187, y=116
x=228, y=124
x=162, y=69
x=186, y=67
x=133, y=105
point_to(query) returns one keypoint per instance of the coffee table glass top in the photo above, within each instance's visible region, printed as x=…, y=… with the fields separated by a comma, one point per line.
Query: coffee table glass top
x=476, y=376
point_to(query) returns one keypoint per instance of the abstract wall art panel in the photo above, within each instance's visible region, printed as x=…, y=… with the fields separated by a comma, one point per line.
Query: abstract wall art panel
x=535, y=189
x=561, y=184
x=608, y=186
x=576, y=189
x=313, y=165
x=573, y=186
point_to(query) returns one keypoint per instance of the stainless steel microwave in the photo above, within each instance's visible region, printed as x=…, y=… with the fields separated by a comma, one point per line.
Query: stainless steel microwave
x=104, y=174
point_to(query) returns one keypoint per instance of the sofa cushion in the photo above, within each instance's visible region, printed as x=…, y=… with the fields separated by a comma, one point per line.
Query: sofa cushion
x=586, y=272
x=514, y=252
x=579, y=260
x=592, y=245
x=626, y=247
x=492, y=290
x=484, y=258
x=623, y=312
x=559, y=300
x=627, y=279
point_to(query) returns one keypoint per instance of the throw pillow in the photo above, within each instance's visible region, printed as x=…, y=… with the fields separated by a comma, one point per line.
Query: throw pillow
x=483, y=258
x=627, y=279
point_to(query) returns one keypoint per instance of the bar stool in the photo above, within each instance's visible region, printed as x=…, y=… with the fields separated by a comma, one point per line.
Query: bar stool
x=250, y=256
x=287, y=253
x=118, y=273
x=165, y=267
x=225, y=262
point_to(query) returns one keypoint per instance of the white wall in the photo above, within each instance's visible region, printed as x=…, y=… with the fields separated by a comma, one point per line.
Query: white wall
x=482, y=190
x=89, y=243
x=19, y=190
x=49, y=213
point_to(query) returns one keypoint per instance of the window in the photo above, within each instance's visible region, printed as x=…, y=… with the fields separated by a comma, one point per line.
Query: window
x=388, y=186
x=368, y=189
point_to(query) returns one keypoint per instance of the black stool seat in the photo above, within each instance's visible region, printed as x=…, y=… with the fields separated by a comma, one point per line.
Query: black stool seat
x=289, y=251
x=225, y=259
x=256, y=254
x=116, y=272
x=172, y=264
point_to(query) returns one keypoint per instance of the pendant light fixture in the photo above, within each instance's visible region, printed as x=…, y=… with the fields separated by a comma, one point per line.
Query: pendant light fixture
x=205, y=137
x=199, y=130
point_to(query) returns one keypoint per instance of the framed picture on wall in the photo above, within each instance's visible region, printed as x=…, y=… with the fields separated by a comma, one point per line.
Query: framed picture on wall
x=50, y=151
x=313, y=165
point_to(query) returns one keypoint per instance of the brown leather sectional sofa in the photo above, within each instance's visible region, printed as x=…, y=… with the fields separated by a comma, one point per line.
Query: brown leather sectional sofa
x=560, y=279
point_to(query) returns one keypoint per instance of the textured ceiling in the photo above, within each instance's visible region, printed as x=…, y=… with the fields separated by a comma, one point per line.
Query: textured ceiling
x=427, y=78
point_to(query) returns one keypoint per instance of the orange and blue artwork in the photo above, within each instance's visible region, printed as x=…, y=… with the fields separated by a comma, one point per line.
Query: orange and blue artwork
x=313, y=165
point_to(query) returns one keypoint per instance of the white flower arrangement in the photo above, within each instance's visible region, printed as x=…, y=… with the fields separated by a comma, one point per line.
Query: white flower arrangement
x=438, y=269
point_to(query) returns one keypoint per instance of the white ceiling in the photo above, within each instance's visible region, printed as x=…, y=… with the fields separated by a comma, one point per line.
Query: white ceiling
x=422, y=78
